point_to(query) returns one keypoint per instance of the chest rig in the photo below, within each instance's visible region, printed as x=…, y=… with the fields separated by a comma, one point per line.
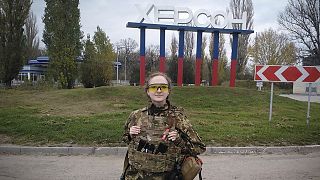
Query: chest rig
x=150, y=150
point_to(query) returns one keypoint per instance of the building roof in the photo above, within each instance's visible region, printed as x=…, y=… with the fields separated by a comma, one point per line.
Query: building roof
x=41, y=60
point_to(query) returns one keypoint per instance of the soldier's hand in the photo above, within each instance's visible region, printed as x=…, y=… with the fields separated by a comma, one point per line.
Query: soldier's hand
x=173, y=135
x=134, y=130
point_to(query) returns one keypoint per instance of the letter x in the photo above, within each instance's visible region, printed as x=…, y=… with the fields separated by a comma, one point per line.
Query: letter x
x=144, y=14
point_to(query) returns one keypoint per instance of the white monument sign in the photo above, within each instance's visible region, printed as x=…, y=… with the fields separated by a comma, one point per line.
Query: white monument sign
x=185, y=16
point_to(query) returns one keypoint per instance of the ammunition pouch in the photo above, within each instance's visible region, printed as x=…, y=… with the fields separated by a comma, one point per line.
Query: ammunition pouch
x=191, y=167
x=150, y=162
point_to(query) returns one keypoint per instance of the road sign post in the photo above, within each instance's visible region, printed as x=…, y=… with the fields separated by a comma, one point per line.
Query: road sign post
x=271, y=100
x=308, y=112
x=278, y=73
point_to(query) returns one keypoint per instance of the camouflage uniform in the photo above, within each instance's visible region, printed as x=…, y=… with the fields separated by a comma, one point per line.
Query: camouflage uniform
x=149, y=162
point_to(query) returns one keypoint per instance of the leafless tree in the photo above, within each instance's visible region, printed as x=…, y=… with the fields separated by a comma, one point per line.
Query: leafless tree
x=188, y=64
x=189, y=44
x=128, y=45
x=32, y=41
x=127, y=48
x=173, y=60
x=152, y=58
x=174, y=46
x=301, y=19
x=205, y=74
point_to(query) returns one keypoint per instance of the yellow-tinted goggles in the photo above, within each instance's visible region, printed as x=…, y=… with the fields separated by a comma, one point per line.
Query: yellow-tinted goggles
x=154, y=88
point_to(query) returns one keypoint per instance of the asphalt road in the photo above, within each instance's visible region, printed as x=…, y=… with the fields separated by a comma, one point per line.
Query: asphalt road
x=221, y=167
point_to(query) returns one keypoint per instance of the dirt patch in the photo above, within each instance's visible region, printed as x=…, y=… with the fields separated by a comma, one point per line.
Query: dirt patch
x=4, y=139
x=74, y=108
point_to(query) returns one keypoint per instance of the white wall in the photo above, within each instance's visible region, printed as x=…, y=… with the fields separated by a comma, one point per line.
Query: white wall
x=300, y=88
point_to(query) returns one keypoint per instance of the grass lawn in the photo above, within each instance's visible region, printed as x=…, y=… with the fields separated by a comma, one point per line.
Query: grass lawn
x=95, y=117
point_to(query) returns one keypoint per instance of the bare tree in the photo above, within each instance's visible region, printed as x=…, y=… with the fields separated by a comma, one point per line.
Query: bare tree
x=173, y=60
x=301, y=19
x=188, y=64
x=238, y=7
x=127, y=49
x=174, y=46
x=189, y=44
x=32, y=41
x=128, y=45
x=205, y=74
x=152, y=58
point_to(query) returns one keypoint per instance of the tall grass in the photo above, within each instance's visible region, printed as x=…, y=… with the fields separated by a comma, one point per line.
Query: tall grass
x=95, y=117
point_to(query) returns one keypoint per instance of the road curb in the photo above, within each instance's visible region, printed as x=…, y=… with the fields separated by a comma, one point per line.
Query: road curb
x=263, y=150
x=120, y=151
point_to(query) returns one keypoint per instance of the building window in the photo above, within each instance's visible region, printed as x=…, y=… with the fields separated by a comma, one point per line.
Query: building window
x=22, y=76
x=33, y=77
x=313, y=89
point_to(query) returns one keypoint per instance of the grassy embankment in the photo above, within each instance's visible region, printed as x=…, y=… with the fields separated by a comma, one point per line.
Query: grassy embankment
x=95, y=117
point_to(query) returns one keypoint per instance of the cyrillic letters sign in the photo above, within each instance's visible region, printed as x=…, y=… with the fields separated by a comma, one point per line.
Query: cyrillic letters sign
x=277, y=73
x=184, y=16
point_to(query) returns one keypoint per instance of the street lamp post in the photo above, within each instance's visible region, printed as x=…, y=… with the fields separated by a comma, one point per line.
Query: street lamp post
x=125, y=68
x=118, y=65
x=125, y=63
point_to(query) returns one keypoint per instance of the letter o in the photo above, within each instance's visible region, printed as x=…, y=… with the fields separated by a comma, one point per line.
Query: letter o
x=217, y=14
x=197, y=14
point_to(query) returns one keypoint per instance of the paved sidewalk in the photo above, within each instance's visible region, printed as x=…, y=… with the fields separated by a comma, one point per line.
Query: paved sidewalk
x=302, y=97
x=215, y=167
x=120, y=151
x=221, y=163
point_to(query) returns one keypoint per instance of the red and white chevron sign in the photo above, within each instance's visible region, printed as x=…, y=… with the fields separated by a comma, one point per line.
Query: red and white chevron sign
x=278, y=73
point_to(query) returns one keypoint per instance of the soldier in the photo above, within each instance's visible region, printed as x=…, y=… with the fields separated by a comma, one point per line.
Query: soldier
x=159, y=136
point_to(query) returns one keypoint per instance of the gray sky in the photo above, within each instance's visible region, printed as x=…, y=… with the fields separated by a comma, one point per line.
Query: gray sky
x=112, y=16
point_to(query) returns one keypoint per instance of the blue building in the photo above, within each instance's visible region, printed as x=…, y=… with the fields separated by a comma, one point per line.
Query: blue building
x=34, y=71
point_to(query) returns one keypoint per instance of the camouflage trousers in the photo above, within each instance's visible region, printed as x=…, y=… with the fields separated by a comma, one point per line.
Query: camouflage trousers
x=133, y=174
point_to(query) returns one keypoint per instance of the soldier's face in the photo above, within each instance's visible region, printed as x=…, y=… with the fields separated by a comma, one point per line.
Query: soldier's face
x=158, y=90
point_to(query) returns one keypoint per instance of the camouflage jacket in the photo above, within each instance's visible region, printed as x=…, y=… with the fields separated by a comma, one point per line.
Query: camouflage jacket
x=187, y=143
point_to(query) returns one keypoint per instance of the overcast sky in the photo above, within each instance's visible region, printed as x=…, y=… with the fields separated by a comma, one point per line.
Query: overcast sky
x=112, y=15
